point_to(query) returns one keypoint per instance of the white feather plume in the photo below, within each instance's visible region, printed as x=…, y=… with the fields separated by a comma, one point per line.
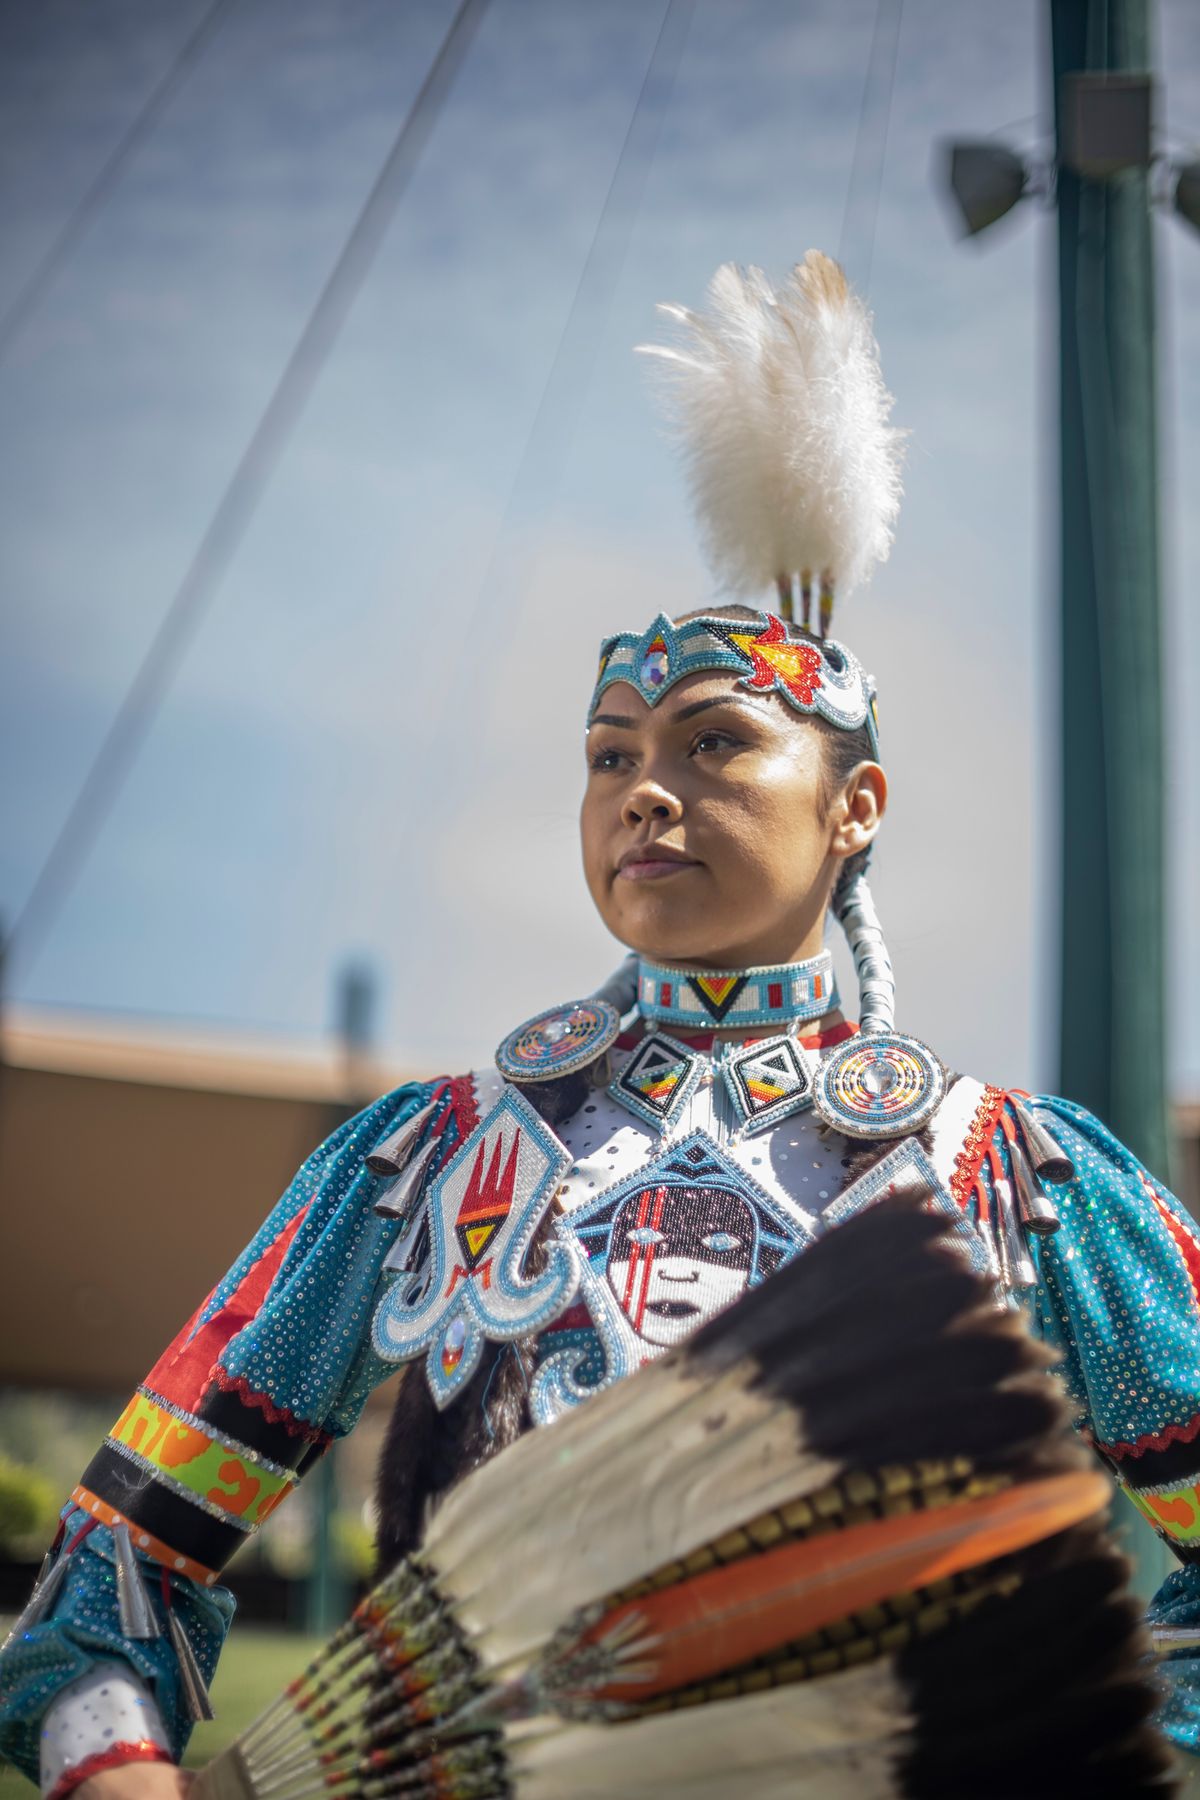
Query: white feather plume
x=780, y=404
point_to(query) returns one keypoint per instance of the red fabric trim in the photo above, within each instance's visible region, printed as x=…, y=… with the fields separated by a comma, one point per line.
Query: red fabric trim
x=143, y=1750
x=969, y=1160
x=818, y=1040
x=274, y=1415
x=837, y=1034
x=1184, y=1242
x=1189, y=1251
x=704, y=1040
x=184, y=1369
x=1158, y=1440
x=463, y=1105
x=89, y=1525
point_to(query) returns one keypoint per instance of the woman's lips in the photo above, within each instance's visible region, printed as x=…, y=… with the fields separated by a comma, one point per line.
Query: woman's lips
x=652, y=868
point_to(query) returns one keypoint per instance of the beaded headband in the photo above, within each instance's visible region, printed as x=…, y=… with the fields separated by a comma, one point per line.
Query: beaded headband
x=814, y=675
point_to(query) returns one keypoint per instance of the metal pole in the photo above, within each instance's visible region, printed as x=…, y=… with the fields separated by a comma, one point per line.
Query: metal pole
x=1112, y=1034
x=327, y=1590
x=1112, y=1013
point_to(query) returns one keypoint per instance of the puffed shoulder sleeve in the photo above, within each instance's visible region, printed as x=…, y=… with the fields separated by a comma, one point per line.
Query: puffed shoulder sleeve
x=1119, y=1296
x=271, y=1368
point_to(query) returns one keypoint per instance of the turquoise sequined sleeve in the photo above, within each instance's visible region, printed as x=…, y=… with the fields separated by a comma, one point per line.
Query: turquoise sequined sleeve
x=270, y=1369
x=1119, y=1297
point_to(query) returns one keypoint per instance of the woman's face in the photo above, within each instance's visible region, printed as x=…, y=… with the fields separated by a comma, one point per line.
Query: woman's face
x=707, y=837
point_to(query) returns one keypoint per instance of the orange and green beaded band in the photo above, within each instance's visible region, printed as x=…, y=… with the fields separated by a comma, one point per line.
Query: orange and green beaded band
x=1173, y=1510
x=211, y=1470
x=196, y=1493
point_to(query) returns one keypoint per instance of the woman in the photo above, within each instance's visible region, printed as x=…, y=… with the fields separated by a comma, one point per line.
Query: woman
x=524, y=1235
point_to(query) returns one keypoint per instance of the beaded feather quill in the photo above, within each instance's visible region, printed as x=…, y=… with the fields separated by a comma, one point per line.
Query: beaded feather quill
x=838, y=1544
x=780, y=405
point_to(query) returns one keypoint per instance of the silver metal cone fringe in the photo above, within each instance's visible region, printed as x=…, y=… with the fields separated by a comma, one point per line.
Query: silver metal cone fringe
x=390, y=1157
x=133, y=1602
x=1015, y=1260
x=45, y=1591
x=396, y=1203
x=1045, y=1153
x=195, y=1689
x=1037, y=1213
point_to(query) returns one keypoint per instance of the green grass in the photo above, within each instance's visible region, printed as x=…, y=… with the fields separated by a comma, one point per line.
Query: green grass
x=254, y=1666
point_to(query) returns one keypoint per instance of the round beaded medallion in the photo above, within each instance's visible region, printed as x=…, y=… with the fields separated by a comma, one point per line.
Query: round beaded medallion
x=558, y=1042
x=879, y=1087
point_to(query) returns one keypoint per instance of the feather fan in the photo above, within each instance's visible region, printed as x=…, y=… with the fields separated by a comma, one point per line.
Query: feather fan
x=779, y=402
x=838, y=1544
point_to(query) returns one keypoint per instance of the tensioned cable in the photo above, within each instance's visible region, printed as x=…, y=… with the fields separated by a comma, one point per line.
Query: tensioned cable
x=858, y=164
x=29, y=297
x=556, y=408
x=241, y=496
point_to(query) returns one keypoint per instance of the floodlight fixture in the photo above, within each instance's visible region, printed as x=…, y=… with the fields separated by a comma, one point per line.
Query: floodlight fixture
x=1186, y=199
x=1106, y=122
x=986, y=179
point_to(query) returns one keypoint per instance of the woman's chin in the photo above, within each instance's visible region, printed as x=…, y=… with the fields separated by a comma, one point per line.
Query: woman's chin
x=667, y=940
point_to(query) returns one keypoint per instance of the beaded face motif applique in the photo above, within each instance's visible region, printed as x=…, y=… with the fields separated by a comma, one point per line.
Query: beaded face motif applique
x=664, y=1249
x=480, y=1213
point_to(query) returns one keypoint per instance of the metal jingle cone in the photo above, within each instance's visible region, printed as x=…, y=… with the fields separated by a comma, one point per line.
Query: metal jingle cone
x=1046, y=1155
x=402, y=1254
x=397, y=1202
x=133, y=1602
x=195, y=1688
x=1037, y=1214
x=390, y=1157
x=46, y=1588
x=1020, y=1270
x=1000, y=1251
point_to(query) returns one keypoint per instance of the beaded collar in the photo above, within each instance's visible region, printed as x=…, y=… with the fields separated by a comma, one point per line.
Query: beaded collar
x=782, y=995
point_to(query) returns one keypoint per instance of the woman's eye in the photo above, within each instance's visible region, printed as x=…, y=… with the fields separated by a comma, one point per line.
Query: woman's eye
x=646, y=1235
x=604, y=759
x=710, y=741
x=721, y=1241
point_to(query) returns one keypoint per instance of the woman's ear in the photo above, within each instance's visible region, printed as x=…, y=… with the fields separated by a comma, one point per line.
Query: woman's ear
x=858, y=811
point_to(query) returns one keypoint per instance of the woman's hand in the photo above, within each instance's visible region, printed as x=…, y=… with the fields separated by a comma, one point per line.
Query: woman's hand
x=137, y=1781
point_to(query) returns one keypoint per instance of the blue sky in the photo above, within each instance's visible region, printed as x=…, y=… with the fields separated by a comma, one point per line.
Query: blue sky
x=372, y=746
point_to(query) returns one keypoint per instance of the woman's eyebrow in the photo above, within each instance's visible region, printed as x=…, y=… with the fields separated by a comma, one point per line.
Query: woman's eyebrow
x=699, y=706
x=621, y=723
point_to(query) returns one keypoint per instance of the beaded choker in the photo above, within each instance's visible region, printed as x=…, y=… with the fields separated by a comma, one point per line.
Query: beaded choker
x=782, y=995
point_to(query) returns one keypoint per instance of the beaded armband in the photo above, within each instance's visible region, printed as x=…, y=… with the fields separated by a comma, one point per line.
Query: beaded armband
x=190, y=1493
x=1172, y=1506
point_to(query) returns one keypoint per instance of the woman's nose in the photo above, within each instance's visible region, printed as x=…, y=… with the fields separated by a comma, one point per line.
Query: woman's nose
x=649, y=800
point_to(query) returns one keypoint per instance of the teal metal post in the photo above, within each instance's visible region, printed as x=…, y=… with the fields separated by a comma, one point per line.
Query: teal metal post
x=326, y=1592
x=1112, y=1030
x=1112, y=1019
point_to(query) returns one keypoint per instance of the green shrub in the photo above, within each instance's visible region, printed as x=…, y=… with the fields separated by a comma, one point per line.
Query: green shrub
x=29, y=1506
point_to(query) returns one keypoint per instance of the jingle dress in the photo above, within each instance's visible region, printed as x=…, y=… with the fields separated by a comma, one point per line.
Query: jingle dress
x=690, y=1177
